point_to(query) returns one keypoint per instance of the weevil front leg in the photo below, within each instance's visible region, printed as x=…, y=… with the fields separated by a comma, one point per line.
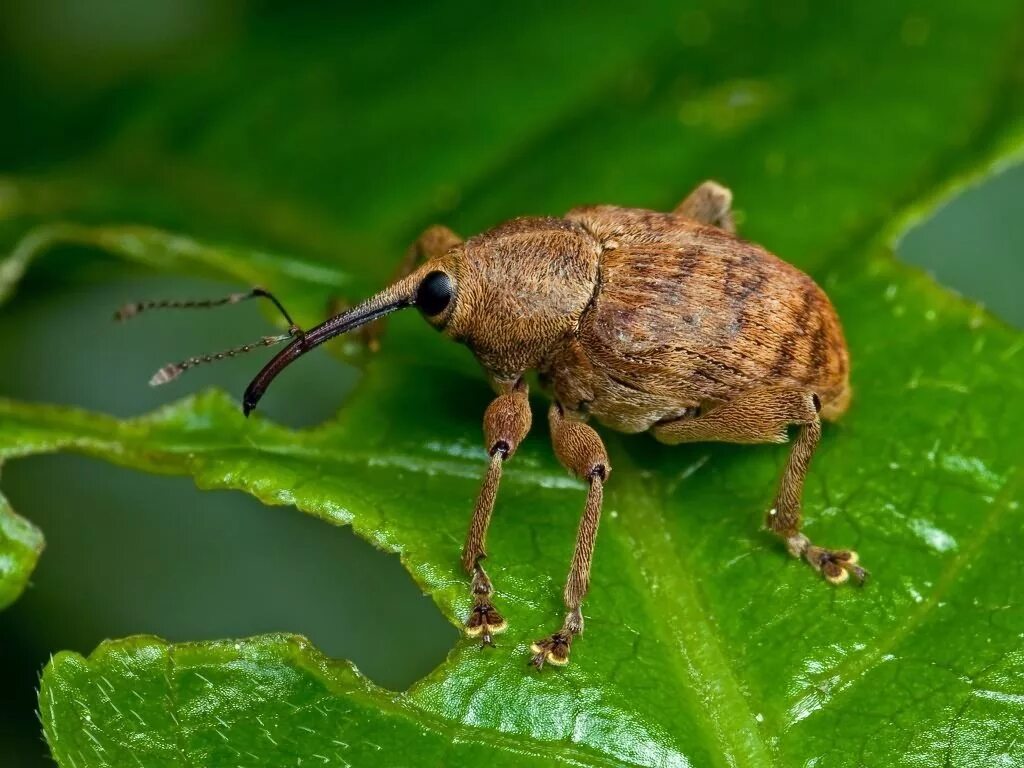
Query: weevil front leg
x=506, y=422
x=580, y=450
x=435, y=240
x=762, y=416
x=710, y=203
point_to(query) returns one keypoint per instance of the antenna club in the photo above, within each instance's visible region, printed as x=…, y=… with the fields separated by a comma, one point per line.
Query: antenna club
x=168, y=373
x=126, y=312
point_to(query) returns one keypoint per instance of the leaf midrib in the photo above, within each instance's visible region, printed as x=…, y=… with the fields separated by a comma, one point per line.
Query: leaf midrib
x=681, y=620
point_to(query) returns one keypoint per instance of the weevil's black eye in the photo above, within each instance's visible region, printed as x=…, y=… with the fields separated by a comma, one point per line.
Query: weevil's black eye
x=434, y=293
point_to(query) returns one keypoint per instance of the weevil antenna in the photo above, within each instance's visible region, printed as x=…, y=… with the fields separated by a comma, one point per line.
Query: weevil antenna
x=134, y=308
x=172, y=371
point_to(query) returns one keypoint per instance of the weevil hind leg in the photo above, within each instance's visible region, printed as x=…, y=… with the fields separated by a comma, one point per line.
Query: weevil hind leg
x=762, y=416
x=710, y=203
x=785, y=517
x=580, y=450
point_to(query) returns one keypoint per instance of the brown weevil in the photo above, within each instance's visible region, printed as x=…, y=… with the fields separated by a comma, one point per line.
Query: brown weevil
x=659, y=322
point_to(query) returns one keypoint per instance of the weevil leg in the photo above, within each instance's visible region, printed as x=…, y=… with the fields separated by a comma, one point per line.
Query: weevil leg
x=785, y=517
x=506, y=422
x=580, y=450
x=710, y=203
x=435, y=240
x=762, y=416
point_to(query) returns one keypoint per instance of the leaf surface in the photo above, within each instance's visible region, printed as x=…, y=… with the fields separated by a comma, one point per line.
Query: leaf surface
x=705, y=644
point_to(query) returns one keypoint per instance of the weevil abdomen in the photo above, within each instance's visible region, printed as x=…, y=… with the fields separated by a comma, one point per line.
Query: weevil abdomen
x=686, y=317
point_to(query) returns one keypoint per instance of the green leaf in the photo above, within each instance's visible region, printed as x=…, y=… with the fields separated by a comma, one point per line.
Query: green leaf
x=705, y=643
x=20, y=546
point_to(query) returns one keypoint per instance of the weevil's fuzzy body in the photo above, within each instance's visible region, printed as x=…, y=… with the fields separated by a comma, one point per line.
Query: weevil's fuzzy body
x=641, y=318
x=647, y=321
x=685, y=317
x=521, y=290
x=659, y=322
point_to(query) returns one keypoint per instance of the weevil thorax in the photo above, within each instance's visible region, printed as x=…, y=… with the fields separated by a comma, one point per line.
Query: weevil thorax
x=517, y=291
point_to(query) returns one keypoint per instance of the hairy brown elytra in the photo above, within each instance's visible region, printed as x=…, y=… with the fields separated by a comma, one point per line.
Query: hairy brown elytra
x=659, y=322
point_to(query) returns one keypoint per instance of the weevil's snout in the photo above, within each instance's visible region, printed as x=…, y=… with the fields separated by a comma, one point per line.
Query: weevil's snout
x=429, y=288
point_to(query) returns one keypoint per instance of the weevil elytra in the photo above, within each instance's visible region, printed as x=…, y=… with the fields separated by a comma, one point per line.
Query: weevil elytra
x=660, y=322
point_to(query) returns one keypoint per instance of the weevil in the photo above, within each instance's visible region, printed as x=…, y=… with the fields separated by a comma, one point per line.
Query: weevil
x=666, y=323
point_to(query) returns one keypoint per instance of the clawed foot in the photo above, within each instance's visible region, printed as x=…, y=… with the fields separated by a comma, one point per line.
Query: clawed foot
x=552, y=650
x=836, y=565
x=485, y=622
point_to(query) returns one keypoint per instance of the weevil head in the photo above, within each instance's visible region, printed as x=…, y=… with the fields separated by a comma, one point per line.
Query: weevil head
x=510, y=294
x=513, y=293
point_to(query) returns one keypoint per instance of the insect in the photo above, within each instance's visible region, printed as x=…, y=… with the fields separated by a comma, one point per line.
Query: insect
x=660, y=322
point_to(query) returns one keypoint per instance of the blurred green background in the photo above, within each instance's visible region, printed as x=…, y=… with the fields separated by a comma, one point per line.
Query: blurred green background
x=129, y=553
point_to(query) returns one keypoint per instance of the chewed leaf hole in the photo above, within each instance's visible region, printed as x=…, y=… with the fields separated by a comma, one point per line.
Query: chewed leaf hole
x=106, y=365
x=974, y=244
x=129, y=553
